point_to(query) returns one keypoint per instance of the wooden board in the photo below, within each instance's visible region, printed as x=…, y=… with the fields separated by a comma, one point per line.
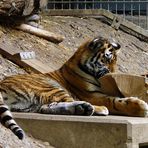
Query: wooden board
x=50, y=36
x=127, y=85
x=8, y=51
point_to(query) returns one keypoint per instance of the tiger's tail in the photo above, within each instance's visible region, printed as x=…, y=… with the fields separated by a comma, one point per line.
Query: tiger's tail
x=7, y=120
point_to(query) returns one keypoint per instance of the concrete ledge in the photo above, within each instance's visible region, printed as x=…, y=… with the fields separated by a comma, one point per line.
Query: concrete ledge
x=88, y=132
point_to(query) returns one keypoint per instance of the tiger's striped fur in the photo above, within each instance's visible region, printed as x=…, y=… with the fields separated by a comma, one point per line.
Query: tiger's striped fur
x=7, y=120
x=74, y=89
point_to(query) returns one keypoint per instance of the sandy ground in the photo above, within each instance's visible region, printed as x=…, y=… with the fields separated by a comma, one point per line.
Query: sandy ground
x=133, y=57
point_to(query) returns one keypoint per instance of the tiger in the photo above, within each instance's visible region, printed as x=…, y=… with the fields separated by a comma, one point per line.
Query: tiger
x=73, y=89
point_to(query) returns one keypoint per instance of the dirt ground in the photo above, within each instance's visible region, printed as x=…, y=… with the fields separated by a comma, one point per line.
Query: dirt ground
x=133, y=57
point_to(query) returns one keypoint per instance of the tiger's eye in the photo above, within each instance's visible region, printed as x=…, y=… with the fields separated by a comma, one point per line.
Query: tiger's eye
x=111, y=50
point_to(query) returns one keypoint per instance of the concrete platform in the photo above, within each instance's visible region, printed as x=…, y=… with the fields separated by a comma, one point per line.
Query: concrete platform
x=86, y=132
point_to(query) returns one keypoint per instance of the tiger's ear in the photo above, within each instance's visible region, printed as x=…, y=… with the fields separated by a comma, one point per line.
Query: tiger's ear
x=116, y=47
x=95, y=44
x=114, y=44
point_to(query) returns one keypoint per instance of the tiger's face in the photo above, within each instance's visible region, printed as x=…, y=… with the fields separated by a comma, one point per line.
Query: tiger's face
x=99, y=56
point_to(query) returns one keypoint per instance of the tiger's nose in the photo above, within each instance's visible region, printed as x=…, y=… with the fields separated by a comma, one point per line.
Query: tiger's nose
x=108, y=55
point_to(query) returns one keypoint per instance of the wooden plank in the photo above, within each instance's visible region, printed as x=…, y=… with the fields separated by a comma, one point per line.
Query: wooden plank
x=115, y=84
x=8, y=51
x=128, y=26
x=125, y=25
x=37, y=66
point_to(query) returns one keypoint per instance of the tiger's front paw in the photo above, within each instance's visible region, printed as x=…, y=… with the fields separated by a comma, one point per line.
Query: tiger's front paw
x=101, y=111
x=68, y=108
x=83, y=108
x=134, y=107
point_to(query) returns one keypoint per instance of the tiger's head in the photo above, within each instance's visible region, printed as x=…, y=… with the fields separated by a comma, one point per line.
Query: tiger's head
x=98, y=56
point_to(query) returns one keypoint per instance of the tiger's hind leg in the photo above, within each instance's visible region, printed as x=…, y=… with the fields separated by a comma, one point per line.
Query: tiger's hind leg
x=68, y=108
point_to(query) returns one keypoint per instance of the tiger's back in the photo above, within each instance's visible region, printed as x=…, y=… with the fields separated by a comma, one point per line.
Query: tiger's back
x=33, y=89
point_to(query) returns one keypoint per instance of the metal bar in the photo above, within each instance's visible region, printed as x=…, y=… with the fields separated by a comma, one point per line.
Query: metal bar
x=104, y=1
x=139, y=13
x=132, y=11
x=124, y=9
x=147, y=16
x=100, y=4
x=108, y=5
x=116, y=6
x=93, y=5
